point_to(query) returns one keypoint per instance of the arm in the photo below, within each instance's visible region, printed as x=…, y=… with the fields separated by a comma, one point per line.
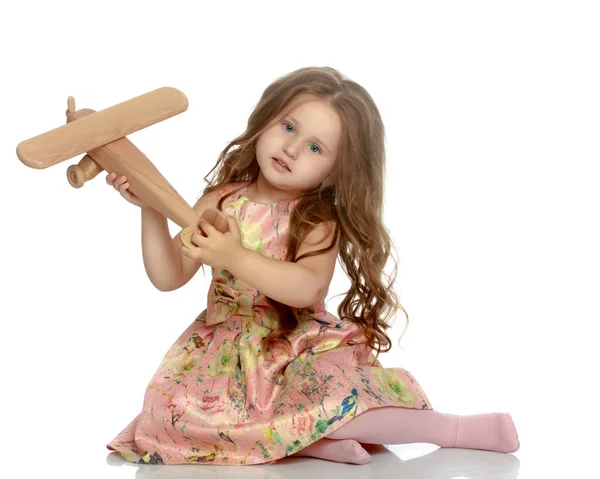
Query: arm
x=289, y=283
x=165, y=266
x=161, y=260
x=300, y=284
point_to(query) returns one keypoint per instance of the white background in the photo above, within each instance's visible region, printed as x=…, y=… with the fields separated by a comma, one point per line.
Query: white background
x=492, y=119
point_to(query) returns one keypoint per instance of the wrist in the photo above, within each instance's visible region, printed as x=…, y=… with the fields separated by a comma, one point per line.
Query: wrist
x=236, y=258
x=148, y=210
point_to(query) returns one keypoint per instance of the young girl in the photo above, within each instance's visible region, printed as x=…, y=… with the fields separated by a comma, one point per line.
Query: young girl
x=265, y=371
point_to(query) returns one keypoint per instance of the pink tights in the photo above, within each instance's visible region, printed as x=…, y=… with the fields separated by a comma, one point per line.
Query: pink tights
x=397, y=425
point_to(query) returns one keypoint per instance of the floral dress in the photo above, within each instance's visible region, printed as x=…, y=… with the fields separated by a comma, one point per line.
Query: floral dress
x=217, y=399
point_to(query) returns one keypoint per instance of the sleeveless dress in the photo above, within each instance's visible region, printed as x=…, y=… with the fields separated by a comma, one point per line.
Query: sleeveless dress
x=216, y=399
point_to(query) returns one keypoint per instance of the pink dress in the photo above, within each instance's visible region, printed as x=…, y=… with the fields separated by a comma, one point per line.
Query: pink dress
x=217, y=399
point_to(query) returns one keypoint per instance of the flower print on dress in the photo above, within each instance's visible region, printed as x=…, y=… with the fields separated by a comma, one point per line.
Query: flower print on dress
x=225, y=361
x=251, y=234
x=178, y=367
x=218, y=398
x=389, y=383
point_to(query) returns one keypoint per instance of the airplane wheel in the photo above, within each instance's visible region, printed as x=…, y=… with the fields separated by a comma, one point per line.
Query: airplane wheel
x=75, y=176
x=85, y=170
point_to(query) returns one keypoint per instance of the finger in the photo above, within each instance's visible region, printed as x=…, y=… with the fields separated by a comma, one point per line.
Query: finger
x=110, y=178
x=118, y=182
x=193, y=253
x=206, y=226
x=123, y=187
x=197, y=238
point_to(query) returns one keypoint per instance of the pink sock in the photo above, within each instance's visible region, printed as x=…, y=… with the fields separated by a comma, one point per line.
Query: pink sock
x=344, y=450
x=397, y=425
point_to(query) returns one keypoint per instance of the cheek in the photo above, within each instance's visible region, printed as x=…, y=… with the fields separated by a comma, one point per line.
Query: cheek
x=260, y=146
x=264, y=141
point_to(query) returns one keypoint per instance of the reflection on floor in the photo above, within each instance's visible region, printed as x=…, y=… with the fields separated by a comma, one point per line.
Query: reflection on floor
x=405, y=461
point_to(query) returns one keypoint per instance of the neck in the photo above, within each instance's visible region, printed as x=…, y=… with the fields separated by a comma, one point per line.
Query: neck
x=264, y=192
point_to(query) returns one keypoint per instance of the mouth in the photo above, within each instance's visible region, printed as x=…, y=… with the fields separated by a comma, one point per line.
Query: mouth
x=283, y=163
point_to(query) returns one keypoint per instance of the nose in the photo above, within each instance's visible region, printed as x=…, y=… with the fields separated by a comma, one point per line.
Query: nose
x=290, y=149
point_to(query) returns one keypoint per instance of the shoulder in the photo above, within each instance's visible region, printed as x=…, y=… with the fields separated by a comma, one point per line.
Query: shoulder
x=321, y=234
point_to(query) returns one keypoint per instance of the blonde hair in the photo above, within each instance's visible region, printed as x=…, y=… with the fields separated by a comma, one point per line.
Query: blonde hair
x=365, y=243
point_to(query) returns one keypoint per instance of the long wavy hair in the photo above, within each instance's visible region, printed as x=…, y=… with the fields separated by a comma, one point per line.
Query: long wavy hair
x=351, y=197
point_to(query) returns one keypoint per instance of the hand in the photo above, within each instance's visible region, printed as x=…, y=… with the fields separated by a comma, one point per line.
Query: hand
x=216, y=218
x=122, y=186
x=216, y=249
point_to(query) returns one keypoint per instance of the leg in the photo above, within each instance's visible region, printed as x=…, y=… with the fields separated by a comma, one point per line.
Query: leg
x=344, y=450
x=397, y=425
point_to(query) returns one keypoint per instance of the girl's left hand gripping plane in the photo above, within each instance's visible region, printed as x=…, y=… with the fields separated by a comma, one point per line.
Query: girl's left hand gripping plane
x=101, y=135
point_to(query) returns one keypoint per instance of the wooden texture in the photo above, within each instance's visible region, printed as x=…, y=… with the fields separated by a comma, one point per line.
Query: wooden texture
x=101, y=135
x=105, y=126
x=145, y=181
x=86, y=170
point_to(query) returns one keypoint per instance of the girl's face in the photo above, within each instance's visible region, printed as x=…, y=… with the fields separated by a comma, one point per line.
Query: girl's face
x=306, y=138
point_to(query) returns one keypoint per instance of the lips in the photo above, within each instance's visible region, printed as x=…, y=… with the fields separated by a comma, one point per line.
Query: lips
x=283, y=161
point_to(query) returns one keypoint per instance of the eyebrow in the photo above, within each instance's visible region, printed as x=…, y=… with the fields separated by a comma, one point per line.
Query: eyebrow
x=318, y=141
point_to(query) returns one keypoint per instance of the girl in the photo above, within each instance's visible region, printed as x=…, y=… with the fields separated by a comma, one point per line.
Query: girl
x=265, y=371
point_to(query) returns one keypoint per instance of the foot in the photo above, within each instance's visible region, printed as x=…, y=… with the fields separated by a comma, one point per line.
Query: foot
x=490, y=432
x=343, y=450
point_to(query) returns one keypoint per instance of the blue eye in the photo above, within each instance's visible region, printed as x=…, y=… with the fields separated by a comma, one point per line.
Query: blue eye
x=291, y=129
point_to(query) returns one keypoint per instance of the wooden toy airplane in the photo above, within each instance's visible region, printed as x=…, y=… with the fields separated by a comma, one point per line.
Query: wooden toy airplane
x=102, y=135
